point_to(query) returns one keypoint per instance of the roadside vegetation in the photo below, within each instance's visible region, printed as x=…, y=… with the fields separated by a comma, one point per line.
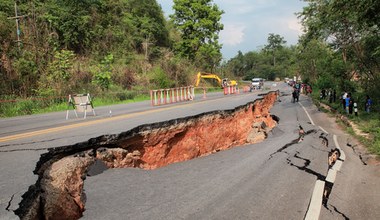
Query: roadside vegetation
x=367, y=123
x=118, y=50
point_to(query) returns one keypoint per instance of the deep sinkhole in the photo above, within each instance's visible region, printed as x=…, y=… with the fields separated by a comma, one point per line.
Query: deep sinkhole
x=58, y=192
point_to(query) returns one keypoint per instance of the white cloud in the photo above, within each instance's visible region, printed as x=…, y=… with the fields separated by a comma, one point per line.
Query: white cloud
x=232, y=35
x=247, y=23
x=295, y=25
x=241, y=7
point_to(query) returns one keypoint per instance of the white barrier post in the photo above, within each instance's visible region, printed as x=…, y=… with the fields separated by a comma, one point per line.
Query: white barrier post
x=172, y=95
x=160, y=99
x=151, y=97
x=177, y=96
x=180, y=97
x=155, y=97
x=183, y=94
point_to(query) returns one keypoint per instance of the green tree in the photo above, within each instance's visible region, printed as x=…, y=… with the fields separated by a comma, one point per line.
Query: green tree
x=103, y=73
x=150, y=22
x=275, y=43
x=72, y=21
x=352, y=26
x=198, y=21
x=56, y=80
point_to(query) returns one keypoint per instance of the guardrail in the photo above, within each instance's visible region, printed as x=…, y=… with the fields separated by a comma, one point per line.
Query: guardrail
x=172, y=95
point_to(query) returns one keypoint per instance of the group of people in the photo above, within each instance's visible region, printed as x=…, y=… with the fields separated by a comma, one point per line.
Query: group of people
x=348, y=103
x=299, y=88
x=330, y=94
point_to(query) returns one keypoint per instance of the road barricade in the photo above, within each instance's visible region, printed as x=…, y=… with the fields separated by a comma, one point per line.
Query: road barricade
x=172, y=95
x=80, y=103
x=230, y=90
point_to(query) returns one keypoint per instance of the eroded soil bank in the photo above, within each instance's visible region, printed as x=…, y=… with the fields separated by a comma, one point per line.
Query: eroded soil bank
x=58, y=192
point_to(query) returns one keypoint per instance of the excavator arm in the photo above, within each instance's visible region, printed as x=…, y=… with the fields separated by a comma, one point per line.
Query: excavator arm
x=222, y=82
x=207, y=76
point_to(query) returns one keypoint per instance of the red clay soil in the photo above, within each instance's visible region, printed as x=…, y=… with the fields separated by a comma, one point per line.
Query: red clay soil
x=201, y=136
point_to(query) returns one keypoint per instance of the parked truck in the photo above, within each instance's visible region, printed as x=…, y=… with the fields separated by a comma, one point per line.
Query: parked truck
x=257, y=83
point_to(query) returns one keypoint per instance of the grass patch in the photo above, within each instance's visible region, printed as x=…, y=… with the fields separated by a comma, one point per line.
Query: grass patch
x=367, y=123
x=40, y=105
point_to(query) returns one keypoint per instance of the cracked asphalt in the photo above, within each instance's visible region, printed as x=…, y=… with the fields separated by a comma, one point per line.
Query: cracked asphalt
x=270, y=180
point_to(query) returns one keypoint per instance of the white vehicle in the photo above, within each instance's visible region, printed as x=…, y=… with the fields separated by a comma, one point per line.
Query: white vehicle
x=257, y=83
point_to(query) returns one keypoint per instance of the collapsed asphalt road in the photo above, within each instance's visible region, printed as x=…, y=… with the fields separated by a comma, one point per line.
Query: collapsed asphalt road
x=269, y=180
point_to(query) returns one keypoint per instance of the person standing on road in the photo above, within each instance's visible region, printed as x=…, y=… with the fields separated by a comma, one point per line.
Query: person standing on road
x=294, y=95
x=368, y=104
x=308, y=89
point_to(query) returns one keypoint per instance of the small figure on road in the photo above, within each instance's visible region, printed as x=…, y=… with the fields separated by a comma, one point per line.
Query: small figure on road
x=295, y=95
x=308, y=89
x=301, y=133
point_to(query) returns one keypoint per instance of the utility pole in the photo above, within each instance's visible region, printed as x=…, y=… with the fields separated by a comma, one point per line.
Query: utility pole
x=145, y=45
x=18, y=31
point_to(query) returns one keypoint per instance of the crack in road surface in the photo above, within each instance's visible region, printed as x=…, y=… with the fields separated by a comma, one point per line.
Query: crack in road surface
x=356, y=153
x=305, y=167
x=301, y=133
x=325, y=141
x=10, y=203
x=336, y=211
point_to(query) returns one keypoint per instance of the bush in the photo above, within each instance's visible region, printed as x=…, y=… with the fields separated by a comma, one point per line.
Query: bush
x=161, y=79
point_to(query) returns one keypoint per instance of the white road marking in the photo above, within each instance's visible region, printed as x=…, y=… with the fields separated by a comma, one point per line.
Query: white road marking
x=331, y=175
x=338, y=164
x=323, y=130
x=317, y=197
x=316, y=201
x=311, y=120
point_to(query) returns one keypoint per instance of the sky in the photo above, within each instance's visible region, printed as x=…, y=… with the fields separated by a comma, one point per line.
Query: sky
x=248, y=23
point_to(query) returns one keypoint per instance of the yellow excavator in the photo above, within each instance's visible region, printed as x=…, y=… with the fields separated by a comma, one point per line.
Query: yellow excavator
x=223, y=82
